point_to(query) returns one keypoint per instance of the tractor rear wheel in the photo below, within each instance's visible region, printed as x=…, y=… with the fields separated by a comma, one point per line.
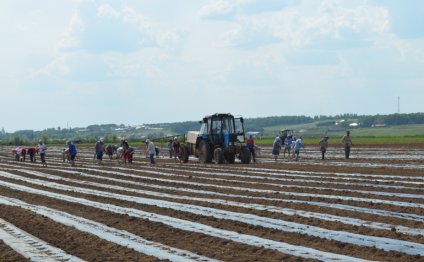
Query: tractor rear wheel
x=245, y=155
x=205, y=154
x=184, y=153
x=218, y=155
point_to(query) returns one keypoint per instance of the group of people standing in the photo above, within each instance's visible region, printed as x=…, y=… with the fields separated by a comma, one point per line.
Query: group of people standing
x=346, y=142
x=292, y=147
x=123, y=151
x=174, y=148
x=291, y=143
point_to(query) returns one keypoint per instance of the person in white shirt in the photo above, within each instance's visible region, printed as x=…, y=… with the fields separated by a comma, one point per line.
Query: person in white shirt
x=276, y=147
x=42, y=151
x=347, y=142
x=323, y=145
x=151, y=151
x=297, y=146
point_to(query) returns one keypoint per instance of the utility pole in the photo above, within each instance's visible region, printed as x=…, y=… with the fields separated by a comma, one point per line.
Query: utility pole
x=398, y=105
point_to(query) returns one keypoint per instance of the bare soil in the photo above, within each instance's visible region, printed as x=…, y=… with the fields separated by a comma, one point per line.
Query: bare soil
x=284, y=181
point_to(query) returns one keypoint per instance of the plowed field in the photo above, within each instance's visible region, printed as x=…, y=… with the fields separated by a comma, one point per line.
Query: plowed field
x=367, y=208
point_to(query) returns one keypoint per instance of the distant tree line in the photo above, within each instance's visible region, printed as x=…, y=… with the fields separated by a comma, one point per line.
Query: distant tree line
x=112, y=132
x=372, y=120
x=258, y=124
x=393, y=119
x=60, y=135
x=183, y=127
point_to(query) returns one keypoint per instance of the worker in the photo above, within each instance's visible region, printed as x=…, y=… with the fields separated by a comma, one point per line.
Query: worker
x=125, y=146
x=250, y=143
x=323, y=145
x=158, y=151
x=287, y=146
x=226, y=134
x=31, y=152
x=72, y=149
x=42, y=151
x=20, y=153
x=176, y=149
x=276, y=147
x=99, y=148
x=347, y=143
x=150, y=150
x=130, y=154
x=297, y=146
x=110, y=150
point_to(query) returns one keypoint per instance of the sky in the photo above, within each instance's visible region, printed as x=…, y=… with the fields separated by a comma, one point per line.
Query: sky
x=74, y=63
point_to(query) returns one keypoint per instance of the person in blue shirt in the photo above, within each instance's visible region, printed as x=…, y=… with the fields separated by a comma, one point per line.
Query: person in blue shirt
x=287, y=146
x=72, y=149
x=226, y=134
x=150, y=150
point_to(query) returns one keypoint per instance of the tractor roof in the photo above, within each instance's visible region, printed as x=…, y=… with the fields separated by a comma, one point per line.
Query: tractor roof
x=219, y=115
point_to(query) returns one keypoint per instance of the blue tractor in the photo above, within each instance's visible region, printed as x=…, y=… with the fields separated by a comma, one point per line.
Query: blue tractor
x=221, y=139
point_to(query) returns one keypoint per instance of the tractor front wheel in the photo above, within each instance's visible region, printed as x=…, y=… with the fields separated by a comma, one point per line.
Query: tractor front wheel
x=218, y=155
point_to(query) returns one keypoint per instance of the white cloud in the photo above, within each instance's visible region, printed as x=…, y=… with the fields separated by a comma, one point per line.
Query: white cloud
x=70, y=37
x=173, y=40
x=218, y=9
x=57, y=67
x=224, y=9
x=130, y=16
x=267, y=50
x=300, y=25
x=105, y=10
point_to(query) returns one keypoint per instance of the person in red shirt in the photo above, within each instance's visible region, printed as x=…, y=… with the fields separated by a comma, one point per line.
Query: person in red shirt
x=251, y=146
x=31, y=152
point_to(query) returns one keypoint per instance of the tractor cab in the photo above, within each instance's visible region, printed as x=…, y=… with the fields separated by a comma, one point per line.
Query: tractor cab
x=222, y=130
x=221, y=138
x=284, y=133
